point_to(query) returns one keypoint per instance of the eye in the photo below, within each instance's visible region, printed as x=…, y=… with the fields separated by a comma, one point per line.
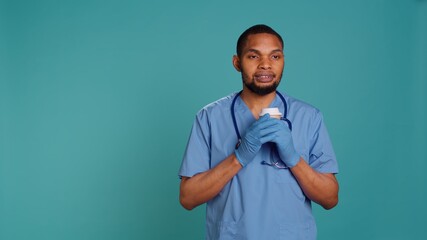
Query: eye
x=276, y=57
x=252, y=56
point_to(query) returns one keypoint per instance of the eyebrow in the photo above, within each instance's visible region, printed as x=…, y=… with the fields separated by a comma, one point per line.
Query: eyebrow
x=258, y=52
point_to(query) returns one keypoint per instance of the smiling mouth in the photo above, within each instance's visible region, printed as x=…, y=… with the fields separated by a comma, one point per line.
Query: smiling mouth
x=264, y=77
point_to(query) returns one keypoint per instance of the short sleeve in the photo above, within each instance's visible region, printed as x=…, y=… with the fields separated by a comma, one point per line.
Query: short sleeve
x=322, y=156
x=197, y=153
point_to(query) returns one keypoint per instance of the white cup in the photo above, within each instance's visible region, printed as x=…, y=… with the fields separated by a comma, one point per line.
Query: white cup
x=274, y=112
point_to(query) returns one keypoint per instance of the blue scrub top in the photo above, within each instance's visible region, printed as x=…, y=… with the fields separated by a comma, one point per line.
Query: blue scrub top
x=261, y=201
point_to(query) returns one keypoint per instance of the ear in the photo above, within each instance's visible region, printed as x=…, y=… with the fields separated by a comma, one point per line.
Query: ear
x=236, y=63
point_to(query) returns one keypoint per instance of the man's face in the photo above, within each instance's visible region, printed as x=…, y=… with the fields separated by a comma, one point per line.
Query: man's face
x=261, y=63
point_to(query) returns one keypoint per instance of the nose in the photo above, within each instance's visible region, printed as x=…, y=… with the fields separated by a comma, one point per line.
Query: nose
x=264, y=64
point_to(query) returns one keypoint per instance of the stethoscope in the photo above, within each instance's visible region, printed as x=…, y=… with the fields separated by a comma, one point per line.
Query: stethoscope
x=233, y=116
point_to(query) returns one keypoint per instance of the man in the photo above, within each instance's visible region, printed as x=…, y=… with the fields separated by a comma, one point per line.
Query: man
x=258, y=175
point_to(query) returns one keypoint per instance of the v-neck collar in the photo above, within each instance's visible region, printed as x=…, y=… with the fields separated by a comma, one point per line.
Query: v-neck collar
x=244, y=110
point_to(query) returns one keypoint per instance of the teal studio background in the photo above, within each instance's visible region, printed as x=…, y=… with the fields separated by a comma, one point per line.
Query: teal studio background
x=97, y=100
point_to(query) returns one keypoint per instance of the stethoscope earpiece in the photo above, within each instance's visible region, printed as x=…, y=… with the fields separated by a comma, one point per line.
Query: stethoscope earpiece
x=238, y=143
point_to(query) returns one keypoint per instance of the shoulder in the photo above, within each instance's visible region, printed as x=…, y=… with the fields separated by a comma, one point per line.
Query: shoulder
x=298, y=106
x=219, y=106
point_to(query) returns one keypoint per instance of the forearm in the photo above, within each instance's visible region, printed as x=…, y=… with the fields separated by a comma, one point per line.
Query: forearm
x=321, y=188
x=204, y=186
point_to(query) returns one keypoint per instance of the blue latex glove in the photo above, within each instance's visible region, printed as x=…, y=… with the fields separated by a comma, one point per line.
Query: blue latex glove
x=285, y=144
x=260, y=132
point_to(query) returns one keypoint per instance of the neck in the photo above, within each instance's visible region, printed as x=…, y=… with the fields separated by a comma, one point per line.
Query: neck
x=256, y=102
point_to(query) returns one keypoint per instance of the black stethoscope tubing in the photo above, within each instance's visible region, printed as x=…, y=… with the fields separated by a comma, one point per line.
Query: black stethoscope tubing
x=233, y=116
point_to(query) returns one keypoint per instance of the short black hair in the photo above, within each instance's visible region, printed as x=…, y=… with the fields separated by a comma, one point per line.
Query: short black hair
x=259, y=28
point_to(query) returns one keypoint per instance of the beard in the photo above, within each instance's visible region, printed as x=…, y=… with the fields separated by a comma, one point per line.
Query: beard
x=260, y=90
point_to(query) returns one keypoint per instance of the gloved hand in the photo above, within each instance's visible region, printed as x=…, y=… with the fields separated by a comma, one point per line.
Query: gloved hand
x=285, y=144
x=260, y=132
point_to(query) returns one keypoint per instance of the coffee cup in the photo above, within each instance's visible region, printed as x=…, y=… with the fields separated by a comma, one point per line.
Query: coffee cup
x=274, y=112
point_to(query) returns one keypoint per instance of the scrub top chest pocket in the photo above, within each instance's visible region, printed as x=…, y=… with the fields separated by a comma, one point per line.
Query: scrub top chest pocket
x=282, y=174
x=274, y=165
